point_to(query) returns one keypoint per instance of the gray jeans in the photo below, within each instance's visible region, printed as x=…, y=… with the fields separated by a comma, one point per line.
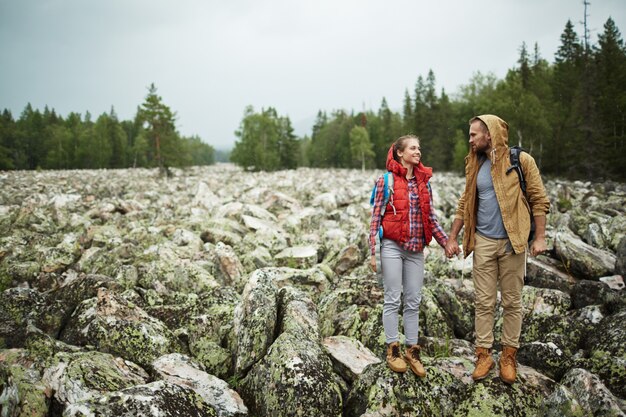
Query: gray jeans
x=403, y=272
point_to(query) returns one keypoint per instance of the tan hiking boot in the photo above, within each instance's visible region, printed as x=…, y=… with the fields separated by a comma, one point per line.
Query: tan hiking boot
x=508, y=365
x=394, y=358
x=412, y=356
x=484, y=363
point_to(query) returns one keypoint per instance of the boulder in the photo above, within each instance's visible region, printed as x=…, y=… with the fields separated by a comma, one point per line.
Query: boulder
x=349, y=356
x=607, y=356
x=581, y=393
x=295, y=377
x=255, y=319
x=583, y=260
x=181, y=370
x=159, y=398
x=81, y=376
x=118, y=327
x=297, y=257
x=22, y=391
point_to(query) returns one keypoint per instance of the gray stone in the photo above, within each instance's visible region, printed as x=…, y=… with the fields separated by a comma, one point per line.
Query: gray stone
x=349, y=356
x=181, y=370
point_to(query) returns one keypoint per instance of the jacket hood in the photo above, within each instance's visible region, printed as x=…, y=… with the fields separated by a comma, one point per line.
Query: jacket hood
x=499, y=132
x=422, y=172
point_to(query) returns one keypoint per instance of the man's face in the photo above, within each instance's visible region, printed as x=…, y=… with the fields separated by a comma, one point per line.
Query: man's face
x=479, y=138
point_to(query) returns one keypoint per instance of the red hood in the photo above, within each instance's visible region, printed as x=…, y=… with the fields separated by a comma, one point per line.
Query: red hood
x=422, y=172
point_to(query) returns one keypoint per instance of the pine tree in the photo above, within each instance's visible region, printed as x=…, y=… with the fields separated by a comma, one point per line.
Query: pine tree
x=610, y=97
x=160, y=131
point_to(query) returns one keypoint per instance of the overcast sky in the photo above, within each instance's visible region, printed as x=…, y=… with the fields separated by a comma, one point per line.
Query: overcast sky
x=211, y=58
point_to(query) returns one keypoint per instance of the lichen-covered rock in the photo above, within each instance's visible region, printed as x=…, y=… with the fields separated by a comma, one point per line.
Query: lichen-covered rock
x=547, y=358
x=581, y=393
x=81, y=376
x=230, y=269
x=297, y=314
x=181, y=370
x=340, y=313
x=491, y=397
x=114, y=325
x=455, y=299
x=433, y=321
x=20, y=307
x=255, y=319
x=22, y=392
x=348, y=258
x=608, y=352
x=159, y=398
x=349, y=356
x=297, y=257
x=295, y=378
x=545, y=275
x=174, y=273
x=587, y=292
x=380, y=391
x=546, y=320
x=582, y=259
x=313, y=281
x=215, y=359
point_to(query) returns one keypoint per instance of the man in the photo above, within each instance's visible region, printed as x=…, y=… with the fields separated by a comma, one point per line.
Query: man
x=496, y=217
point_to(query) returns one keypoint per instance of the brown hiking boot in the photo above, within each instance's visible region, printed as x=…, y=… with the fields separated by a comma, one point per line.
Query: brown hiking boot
x=412, y=356
x=508, y=366
x=484, y=363
x=394, y=358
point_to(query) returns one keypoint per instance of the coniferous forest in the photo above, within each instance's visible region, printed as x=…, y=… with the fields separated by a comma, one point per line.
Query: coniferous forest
x=570, y=114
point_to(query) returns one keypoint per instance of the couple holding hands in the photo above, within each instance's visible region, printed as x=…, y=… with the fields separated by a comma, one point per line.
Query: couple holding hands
x=496, y=215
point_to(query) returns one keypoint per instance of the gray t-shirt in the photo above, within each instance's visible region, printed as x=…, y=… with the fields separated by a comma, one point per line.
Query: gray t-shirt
x=489, y=218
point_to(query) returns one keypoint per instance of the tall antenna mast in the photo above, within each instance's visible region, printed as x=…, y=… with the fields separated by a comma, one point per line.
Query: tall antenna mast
x=586, y=35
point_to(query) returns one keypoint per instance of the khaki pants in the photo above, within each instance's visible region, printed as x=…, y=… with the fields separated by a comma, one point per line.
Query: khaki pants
x=495, y=262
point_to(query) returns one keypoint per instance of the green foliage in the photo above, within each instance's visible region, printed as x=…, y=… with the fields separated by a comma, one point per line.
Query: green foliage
x=44, y=140
x=266, y=142
x=360, y=145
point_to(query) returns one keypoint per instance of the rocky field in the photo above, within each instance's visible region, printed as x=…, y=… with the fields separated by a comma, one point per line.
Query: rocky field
x=218, y=292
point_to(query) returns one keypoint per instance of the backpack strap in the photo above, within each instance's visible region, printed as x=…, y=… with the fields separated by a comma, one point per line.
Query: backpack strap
x=514, y=157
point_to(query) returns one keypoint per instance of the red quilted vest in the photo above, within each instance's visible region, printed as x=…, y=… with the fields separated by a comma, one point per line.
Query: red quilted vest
x=396, y=222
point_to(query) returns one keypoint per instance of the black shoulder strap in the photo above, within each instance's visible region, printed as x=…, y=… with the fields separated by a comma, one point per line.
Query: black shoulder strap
x=515, y=152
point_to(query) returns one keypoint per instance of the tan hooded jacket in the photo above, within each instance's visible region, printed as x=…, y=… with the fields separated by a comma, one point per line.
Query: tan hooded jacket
x=515, y=210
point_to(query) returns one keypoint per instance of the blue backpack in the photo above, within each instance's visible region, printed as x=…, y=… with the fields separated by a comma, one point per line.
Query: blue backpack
x=387, y=192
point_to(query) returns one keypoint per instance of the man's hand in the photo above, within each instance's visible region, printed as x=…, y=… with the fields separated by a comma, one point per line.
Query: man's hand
x=373, y=263
x=452, y=248
x=538, y=246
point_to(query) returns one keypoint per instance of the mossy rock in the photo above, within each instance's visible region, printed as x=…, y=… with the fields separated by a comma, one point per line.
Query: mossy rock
x=156, y=398
x=380, y=391
x=216, y=360
x=23, y=391
x=295, y=378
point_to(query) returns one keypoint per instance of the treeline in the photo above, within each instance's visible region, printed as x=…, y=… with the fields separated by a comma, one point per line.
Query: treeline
x=570, y=114
x=45, y=140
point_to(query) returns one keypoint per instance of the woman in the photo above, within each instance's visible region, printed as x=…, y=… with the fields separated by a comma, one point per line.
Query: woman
x=408, y=224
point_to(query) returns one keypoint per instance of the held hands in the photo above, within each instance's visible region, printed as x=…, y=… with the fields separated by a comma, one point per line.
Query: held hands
x=373, y=263
x=452, y=248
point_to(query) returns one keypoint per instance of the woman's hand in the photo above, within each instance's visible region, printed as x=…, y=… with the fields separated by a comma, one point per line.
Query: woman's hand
x=373, y=263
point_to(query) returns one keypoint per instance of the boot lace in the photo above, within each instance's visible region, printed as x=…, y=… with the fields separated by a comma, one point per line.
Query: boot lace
x=415, y=354
x=508, y=360
x=482, y=358
x=395, y=351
